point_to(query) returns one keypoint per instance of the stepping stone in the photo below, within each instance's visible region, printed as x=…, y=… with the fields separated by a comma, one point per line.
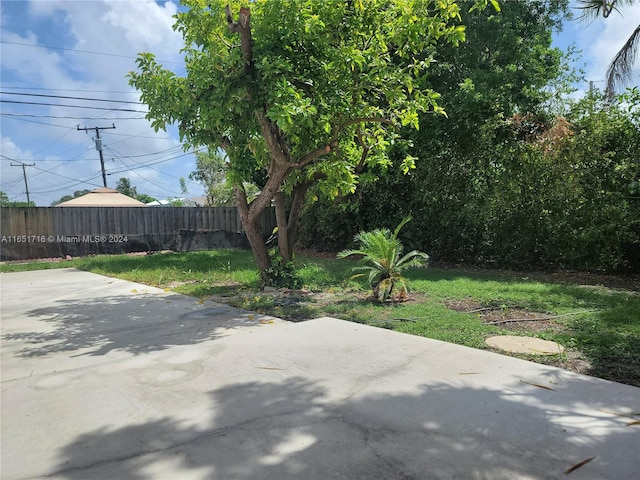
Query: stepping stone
x=513, y=344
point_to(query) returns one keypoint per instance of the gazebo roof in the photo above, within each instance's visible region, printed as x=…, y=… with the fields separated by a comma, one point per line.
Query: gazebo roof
x=102, y=197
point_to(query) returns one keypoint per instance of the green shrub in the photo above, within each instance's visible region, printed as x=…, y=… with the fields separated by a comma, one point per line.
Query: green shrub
x=382, y=258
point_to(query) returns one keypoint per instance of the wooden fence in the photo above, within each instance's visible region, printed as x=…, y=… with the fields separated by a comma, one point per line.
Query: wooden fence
x=44, y=232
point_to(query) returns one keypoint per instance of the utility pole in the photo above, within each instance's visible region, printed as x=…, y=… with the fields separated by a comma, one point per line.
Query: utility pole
x=24, y=174
x=98, y=141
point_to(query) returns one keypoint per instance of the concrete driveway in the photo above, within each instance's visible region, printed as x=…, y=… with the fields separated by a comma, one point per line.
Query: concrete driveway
x=107, y=379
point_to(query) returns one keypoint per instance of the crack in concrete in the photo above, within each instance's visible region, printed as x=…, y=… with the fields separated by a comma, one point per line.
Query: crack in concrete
x=363, y=384
x=219, y=432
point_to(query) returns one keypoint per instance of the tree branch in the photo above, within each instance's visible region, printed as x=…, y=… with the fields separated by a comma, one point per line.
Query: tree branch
x=271, y=135
x=273, y=184
x=241, y=201
x=538, y=319
x=353, y=121
x=243, y=28
x=314, y=154
x=328, y=148
x=365, y=151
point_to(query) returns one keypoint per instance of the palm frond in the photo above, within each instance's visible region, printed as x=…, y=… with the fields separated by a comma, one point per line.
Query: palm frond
x=402, y=224
x=414, y=258
x=621, y=67
x=348, y=253
x=592, y=9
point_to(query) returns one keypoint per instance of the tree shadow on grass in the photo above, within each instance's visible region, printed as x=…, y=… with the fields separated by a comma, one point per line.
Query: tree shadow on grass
x=297, y=428
x=613, y=352
x=607, y=334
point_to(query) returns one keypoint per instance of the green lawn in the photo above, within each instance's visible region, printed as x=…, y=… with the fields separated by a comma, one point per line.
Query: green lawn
x=598, y=326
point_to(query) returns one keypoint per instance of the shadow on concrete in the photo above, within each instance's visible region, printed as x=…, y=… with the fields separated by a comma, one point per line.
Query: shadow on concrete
x=296, y=429
x=135, y=323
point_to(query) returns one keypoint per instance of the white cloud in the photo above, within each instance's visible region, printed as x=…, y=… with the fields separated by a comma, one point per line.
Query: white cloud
x=606, y=37
x=154, y=32
x=119, y=28
x=11, y=150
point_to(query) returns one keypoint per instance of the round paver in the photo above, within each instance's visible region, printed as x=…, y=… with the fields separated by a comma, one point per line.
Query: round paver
x=510, y=343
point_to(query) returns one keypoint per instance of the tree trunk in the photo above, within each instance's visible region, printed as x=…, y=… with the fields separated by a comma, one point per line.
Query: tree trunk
x=283, y=229
x=281, y=165
x=250, y=214
x=254, y=235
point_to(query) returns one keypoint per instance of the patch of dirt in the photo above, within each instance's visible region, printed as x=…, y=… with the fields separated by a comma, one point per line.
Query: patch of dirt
x=576, y=362
x=531, y=322
x=467, y=305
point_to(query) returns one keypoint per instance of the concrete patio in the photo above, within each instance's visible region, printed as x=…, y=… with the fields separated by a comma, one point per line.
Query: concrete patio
x=108, y=379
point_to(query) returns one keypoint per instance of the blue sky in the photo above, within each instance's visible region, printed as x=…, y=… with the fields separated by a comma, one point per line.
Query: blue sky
x=84, y=49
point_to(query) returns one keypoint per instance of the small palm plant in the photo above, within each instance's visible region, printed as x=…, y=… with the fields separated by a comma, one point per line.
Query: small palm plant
x=382, y=258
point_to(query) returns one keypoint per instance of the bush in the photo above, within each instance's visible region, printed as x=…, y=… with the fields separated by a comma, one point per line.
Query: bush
x=382, y=258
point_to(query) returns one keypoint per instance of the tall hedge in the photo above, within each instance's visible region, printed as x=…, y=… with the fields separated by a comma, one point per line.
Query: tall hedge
x=530, y=193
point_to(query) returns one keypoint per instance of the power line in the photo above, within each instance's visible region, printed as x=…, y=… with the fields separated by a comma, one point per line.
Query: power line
x=77, y=182
x=142, y=135
x=17, y=87
x=80, y=51
x=16, y=117
x=71, y=185
x=147, y=154
x=69, y=97
x=53, y=143
x=72, y=106
x=10, y=184
x=163, y=190
x=51, y=172
x=121, y=158
x=66, y=117
x=144, y=165
x=62, y=160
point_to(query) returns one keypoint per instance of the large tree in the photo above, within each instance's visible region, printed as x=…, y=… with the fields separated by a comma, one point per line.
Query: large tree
x=506, y=69
x=301, y=93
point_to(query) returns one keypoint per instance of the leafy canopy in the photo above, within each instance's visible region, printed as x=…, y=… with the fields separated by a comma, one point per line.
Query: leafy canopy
x=333, y=79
